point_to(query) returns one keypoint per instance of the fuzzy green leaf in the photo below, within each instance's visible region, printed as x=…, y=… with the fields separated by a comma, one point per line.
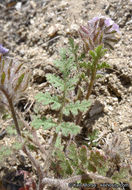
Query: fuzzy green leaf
x=71, y=42
x=73, y=154
x=68, y=128
x=46, y=98
x=58, y=143
x=92, y=53
x=83, y=154
x=74, y=107
x=98, y=50
x=103, y=65
x=65, y=167
x=5, y=152
x=56, y=81
x=71, y=82
x=11, y=130
x=45, y=123
x=121, y=175
x=65, y=63
x=17, y=146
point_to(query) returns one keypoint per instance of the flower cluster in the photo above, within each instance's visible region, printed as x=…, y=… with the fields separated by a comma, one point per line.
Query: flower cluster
x=13, y=80
x=99, y=30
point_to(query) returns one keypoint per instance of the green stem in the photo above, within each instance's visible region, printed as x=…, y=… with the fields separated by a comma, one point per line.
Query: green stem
x=93, y=76
x=52, y=145
x=14, y=117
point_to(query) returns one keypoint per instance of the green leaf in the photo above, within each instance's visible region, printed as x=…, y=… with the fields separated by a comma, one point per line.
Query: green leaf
x=64, y=165
x=83, y=155
x=92, y=53
x=74, y=107
x=73, y=154
x=17, y=146
x=66, y=63
x=56, y=81
x=102, y=65
x=45, y=123
x=71, y=82
x=4, y=152
x=60, y=155
x=98, y=160
x=71, y=42
x=98, y=50
x=68, y=128
x=58, y=143
x=121, y=175
x=86, y=65
x=11, y=130
x=46, y=98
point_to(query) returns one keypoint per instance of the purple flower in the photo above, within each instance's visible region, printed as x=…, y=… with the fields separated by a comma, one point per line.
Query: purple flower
x=3, y=50
x=99, y=30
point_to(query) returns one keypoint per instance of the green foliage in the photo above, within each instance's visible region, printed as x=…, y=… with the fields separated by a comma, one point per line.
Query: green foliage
x=5, y=151
x=46, y=99
x=82, y=160
x=68, y=128
x=121, y=175
x=44, y=123
x=98, y=162
x=11, y=130
x=74, y=107
x=92, y=137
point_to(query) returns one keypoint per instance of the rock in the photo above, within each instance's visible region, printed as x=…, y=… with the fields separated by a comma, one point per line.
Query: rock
x=96, y=109
x=18, y=6
x=39, y=76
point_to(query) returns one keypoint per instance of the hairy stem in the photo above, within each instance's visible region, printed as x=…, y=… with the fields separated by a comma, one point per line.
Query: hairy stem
x=92, y=80
x=64, y=184
x=12, y=110
x=52, y=145
x=93, y=76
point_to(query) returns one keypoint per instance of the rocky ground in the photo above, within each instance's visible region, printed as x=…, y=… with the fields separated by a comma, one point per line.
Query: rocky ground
x=34, y=32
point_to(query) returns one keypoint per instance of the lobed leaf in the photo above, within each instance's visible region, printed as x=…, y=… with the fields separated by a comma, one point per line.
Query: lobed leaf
x=73, y=154
x=56, y=81
x=74, y=107
x=68, y=128
x=46, y=98
x=44, y=123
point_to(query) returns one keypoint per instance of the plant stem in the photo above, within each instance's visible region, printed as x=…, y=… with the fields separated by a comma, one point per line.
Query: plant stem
x=14, y=117
x=52, y=145
x=11, y=106
x=93, y=76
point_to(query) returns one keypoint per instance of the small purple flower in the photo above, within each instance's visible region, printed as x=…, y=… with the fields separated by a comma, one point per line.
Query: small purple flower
x=99, y=30
x=3, y=50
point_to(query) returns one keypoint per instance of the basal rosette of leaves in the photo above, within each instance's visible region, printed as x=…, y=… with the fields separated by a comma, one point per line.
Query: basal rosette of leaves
x=99, y=30
x=80, y=160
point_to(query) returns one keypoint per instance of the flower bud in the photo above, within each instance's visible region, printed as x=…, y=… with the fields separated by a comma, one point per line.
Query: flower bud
x=99, y=30
x=3, y=50
x=13, y=80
